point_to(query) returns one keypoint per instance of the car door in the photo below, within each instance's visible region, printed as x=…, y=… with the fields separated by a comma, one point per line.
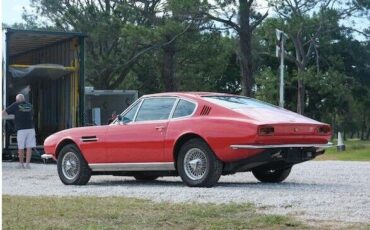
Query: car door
x=139, y=137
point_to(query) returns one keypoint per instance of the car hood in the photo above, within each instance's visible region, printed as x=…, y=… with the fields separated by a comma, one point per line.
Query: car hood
x=78, y=132
x=275, y=115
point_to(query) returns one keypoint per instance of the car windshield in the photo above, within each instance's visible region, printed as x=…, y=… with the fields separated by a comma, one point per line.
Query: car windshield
x=238, y=102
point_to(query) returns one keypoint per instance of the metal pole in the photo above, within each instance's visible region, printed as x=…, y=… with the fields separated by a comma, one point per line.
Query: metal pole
x=5, y=86
x=282, y=40
x=82, y=81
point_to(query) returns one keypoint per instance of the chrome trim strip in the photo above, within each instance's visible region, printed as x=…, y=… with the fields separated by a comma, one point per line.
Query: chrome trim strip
x=153, y=166
x=46, y=156
x=137, y=111
x=174, y=107
x=141, y=100
x=89, y=139
x=124, y=112
x=159, y=97
x=188, y=100
x=328, y=145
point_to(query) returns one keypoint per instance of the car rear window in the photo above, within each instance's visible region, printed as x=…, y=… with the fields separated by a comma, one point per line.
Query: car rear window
x=237, y=102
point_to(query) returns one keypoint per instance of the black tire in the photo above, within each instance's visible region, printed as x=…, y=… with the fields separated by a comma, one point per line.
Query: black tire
x=272, y=175
x=72, y=167
x=208, y=166
x=145, y=177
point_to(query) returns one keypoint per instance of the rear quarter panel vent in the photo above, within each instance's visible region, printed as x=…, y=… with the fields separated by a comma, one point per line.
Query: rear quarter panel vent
x=205, y=110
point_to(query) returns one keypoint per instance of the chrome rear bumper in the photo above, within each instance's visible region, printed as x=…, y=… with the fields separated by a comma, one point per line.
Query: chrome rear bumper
x=328, y=145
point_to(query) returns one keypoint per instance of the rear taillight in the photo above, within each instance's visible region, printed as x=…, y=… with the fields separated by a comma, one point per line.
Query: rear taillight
x=323, y=130
x=266, y=131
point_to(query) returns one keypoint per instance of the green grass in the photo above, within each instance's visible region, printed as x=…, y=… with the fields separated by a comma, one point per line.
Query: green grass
x=356, y=150
x=20, y=212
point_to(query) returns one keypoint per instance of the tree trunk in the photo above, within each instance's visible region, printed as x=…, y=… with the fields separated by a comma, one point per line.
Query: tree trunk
x=363, y=130
x=300, y=94
x=300, y=97
x=344, y=135
x=245, y=53
x=246, y=76
x=168, y=67
x=363, y=126
x=333, y=125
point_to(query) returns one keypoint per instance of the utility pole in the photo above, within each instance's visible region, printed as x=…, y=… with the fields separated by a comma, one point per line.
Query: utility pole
x=281, y=37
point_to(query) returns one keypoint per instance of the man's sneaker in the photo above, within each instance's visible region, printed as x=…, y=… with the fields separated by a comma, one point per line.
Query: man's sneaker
x=19, y=166
x=28, y=166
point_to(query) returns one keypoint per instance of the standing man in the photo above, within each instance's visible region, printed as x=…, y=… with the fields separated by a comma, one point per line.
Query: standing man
x=22, y=111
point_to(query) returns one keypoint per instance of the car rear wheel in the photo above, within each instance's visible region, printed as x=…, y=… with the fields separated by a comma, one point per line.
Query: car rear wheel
x=272, y=175
x=72, y=167
x=197, y=164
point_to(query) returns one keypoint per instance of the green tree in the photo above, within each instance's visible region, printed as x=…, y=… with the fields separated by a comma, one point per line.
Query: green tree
x=354, y=55
x=119, y=33
x=242, y=18
x=335, y=76
x=308, y=24
x=195, y=60
x=177, y=16
x=201, y=61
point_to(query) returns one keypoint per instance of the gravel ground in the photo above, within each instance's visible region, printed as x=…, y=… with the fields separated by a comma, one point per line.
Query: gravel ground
x=315, y=190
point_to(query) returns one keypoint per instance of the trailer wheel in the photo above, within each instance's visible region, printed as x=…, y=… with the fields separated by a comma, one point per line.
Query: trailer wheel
x=72, y=167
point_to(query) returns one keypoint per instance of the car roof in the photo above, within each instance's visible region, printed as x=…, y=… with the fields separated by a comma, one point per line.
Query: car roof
x=187, y=94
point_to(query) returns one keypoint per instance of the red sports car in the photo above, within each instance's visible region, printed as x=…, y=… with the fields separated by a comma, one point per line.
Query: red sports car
x=198, y=136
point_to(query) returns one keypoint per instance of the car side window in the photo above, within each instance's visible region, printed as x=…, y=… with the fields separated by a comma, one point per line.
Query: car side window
x=183, y=109
x=155, y=109
x=130, y=115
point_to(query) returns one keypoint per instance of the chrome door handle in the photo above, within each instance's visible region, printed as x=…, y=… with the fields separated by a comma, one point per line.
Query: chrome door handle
x=160, y=128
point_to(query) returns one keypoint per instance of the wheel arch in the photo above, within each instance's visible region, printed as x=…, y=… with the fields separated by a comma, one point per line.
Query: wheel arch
x=64, y=143
x=181, y=141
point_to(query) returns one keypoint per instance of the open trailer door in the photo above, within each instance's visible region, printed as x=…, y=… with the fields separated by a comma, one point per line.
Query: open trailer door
x=48, y=68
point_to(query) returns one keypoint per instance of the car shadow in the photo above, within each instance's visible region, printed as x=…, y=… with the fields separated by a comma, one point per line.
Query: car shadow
x=221, y=184
x=282, y=186
x=134, y=182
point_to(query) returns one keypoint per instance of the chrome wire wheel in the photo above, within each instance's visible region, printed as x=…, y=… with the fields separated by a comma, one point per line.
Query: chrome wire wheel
x=195, y=164
x=70, y=166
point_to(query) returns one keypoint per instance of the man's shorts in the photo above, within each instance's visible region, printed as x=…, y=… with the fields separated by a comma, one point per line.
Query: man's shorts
x=26, y=138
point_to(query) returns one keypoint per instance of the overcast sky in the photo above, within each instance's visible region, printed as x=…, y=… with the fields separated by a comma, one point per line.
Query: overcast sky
x=12, y=10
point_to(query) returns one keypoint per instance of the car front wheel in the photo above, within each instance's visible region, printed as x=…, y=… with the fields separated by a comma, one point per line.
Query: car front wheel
x=272, y=175
x=72, y=167
x=197, y=164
